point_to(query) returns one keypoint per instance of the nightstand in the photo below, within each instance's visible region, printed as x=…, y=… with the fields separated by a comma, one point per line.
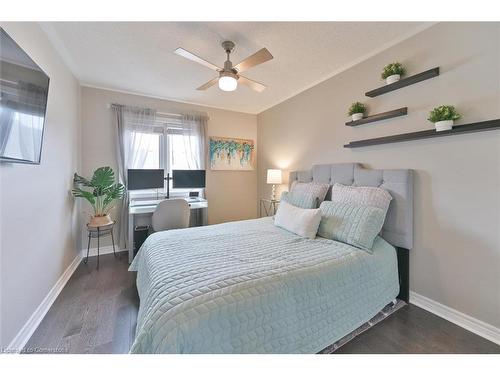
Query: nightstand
x=269, y=205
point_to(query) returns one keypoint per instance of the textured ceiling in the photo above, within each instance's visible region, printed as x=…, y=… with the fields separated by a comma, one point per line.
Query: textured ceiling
x=138, y=57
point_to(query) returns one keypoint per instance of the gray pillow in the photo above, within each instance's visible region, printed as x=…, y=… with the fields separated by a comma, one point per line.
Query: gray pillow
x=353, y=224
x=305, y=200
x=303, y=191
x=362, y=195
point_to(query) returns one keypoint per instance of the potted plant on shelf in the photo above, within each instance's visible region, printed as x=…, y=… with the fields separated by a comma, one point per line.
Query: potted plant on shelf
x=392, y=72
x=103, y=190
x=443, y=117
x=357, y=111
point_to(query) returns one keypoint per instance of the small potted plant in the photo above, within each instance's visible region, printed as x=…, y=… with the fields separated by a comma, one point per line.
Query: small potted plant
x=103, y=190
x=392, y=72
x=357, y=111
x=443, y=117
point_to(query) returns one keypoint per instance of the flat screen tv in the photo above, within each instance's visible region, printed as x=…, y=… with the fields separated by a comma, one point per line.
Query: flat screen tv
x=24, y=89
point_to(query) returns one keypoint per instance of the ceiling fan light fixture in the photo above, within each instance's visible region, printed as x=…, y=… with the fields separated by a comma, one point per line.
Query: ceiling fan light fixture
x=230, y=75
x=228, y=82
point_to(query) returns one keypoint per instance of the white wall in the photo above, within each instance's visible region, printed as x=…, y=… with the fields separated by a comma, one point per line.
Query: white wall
x=232, y=195
x=456, y=255
x=38, y=216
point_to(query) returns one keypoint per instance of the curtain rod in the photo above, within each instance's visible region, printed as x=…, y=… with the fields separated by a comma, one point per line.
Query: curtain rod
x=158, y=112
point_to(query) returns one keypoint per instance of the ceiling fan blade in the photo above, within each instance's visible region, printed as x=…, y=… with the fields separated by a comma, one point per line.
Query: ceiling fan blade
x=257, y=58
x=259, y=87
x=208, y=84
x=191, y=56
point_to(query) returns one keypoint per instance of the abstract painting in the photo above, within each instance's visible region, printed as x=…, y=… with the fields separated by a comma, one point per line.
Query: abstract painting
x=231, y=154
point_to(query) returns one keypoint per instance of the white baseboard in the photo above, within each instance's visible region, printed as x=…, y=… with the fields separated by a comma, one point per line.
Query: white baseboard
x=19, y=342
x=474, y=325
x=23, y=336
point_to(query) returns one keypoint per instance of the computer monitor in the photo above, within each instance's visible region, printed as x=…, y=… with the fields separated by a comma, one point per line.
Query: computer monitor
x=138, y=179
x=188, y=179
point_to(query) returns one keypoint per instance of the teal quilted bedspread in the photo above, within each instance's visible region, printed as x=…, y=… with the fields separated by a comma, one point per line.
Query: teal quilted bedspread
x=251, y=287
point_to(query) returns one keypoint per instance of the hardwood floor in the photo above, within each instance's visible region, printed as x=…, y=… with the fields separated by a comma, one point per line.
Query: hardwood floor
x=412, y=330
x=95, y=313
x=97, y=310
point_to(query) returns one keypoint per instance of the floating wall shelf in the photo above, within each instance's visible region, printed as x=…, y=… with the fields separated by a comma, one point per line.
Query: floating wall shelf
x=380, y=116
x=460, y=129
x=404, y=82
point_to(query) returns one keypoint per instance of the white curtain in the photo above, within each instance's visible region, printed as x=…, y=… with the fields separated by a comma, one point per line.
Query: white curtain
x=131, y=124
x=194, y=128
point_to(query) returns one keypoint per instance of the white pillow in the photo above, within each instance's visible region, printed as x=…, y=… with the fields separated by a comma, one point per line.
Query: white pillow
x=301, y=221
x=362, y=195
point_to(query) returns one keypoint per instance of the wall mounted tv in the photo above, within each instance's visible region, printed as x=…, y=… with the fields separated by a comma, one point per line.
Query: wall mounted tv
x=24, y=89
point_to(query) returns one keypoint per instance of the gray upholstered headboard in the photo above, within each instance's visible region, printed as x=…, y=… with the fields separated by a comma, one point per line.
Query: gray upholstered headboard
x=398, y=226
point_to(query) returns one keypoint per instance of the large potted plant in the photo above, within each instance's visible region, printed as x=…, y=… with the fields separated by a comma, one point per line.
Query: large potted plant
x=357, y=111
x=443, y=117
x=392, y=72
x=101, y=191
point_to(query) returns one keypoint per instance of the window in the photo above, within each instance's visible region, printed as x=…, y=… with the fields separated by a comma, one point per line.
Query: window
x=177, y=156
x=146, y=151
x=161, y=151
x=149, y=152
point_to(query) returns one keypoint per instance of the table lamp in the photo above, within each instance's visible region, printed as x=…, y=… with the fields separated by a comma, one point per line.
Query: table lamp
x=274, y=177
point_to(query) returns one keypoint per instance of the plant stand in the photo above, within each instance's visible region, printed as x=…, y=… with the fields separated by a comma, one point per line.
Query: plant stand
x=98, y=232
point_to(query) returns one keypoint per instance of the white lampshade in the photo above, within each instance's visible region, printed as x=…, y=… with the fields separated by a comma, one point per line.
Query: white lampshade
x=274, y=176
x=228, y=83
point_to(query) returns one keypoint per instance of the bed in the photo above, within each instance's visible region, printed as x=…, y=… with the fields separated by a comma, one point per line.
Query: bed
x=251, y=287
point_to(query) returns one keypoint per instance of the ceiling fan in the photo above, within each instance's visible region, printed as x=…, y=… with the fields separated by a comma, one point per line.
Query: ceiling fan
x=229, y=76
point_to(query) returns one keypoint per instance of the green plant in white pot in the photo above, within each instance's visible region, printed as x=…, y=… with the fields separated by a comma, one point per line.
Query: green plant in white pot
x=393, y=72
x=443, y=117
x=102, y=192
x=357, y=111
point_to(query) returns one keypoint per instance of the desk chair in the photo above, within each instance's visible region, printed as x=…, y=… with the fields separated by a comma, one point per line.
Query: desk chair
x=171, y=214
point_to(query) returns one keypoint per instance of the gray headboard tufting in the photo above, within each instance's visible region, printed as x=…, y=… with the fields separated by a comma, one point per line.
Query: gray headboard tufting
x=398, y=226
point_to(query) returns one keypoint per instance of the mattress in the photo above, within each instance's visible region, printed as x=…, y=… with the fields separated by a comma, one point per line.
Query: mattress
x=251, y=287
